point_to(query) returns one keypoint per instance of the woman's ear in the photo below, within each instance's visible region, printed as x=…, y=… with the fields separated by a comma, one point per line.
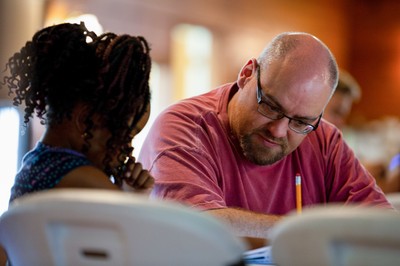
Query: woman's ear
x=79, y=115
x=247, y=72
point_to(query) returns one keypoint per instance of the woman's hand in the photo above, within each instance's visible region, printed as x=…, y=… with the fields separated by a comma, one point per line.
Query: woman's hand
x=136, y=177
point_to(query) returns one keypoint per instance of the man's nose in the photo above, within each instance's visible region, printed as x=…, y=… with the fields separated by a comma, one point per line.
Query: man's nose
x=278, y=128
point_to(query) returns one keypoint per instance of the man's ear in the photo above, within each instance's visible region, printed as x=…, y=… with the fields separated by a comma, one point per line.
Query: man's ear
x=247, y=72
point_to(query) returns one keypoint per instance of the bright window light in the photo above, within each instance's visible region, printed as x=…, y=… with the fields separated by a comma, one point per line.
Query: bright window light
x=91, y=22
x=191, y=56
x=156, y=106
x=9, y=140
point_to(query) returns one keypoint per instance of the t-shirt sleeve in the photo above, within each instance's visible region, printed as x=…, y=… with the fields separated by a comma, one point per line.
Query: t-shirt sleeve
x=177, y=153
x=188, y=179
x=349, y=181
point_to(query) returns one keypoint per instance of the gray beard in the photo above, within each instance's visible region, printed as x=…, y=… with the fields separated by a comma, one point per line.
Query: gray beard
x=259, y=155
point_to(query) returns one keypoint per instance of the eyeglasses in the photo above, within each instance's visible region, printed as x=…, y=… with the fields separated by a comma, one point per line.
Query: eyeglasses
x=268, y=110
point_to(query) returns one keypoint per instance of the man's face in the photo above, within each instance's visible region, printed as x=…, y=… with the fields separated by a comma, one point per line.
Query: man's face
x=300, y=94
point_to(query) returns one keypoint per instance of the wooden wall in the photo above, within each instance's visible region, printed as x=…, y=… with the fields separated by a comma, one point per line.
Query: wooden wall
x=374, y=57
x=364, y=35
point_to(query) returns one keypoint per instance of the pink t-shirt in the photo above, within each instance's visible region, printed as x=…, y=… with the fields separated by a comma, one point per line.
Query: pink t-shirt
x=194, y=160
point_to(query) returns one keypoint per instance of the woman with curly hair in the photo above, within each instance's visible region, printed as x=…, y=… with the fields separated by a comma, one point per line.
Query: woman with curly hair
x=92, y=94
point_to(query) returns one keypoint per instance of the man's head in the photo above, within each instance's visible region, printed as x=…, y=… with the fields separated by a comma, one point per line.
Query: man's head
x=282, y=96
x=339, y=107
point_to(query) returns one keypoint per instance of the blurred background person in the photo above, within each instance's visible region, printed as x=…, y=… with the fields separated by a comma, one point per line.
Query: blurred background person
x=346, y=94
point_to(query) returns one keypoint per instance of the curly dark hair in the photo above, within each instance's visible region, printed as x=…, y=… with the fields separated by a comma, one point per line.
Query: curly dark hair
x=66, y=64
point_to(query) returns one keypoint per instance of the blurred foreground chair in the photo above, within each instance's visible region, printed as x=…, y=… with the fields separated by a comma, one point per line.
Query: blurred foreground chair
x=338, y=236
x=394, y=198
x=74, y=227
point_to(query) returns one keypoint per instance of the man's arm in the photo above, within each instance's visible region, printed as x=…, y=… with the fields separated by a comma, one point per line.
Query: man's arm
x=246, y=223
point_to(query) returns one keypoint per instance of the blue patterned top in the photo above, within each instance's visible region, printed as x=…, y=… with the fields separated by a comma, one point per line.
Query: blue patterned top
x=44, y=167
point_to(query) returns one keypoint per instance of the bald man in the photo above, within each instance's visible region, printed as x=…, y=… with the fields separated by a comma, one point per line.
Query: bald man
x=234, y=152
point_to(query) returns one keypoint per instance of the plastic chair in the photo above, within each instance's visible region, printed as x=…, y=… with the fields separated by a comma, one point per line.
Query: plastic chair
x=97, y=227
x=338, y=236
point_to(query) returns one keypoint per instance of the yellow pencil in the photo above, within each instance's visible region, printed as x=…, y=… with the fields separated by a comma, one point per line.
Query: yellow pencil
x=298, y=193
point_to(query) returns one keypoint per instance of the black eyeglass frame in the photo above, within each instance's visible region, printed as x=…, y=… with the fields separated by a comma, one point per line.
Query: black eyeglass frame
x=309, y=128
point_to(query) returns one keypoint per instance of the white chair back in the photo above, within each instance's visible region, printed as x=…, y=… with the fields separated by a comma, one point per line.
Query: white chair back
x=64, y=227
x=338, y=236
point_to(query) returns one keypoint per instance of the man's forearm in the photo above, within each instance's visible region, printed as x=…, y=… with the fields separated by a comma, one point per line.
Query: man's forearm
x=246, y=223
